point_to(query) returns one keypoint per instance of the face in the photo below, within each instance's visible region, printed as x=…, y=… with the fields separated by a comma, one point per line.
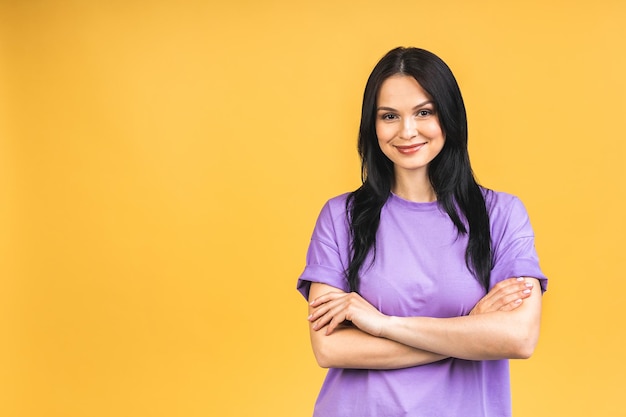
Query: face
x=407, y=125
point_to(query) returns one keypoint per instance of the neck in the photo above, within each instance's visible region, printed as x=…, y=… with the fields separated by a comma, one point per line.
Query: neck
x=414, y=188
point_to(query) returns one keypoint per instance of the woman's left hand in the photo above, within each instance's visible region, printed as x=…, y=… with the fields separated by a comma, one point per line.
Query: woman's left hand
x=333, y=308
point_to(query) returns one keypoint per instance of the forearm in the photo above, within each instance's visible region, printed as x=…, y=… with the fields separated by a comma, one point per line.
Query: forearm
x=495, y=335
x=349, y=347
x=470, y=337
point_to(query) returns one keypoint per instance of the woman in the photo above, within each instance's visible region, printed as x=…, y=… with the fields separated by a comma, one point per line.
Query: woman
x=421, y=283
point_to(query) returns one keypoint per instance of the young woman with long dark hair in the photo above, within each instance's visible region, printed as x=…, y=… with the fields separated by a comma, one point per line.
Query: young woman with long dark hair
x=421, y=283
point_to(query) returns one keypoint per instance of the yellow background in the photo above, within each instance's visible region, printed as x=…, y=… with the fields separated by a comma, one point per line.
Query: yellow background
x=162, y=164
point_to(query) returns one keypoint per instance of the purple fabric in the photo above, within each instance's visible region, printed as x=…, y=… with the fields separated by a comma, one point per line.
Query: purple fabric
x=420, y=271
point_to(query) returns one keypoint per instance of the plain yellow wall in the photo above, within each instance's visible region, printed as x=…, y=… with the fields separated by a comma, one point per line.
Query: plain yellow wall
x=162, y=164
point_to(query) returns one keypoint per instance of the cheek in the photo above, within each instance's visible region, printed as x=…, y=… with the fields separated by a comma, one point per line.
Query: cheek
x=383, y=134
x=436, y=130
x=433, y=129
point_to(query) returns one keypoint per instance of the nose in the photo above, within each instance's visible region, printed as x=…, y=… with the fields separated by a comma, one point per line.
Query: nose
x=409, y=129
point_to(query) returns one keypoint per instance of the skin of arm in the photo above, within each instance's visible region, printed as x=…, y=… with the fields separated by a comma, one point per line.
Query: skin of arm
x=495, y=335
x=345, y=346
x=349, y=347
x=509, y=332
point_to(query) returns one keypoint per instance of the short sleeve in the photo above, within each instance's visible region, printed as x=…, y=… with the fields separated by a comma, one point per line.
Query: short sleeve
x=326, y=256
x=513, y=242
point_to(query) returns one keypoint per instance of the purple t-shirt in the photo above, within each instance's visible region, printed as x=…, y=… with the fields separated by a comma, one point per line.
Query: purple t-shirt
x=420, y=270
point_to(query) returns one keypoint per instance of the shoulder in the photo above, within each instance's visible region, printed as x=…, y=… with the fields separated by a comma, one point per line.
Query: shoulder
x=500, y=203
x=332, y=223
x=338, y=202
x=506, y=213
x=335, y=208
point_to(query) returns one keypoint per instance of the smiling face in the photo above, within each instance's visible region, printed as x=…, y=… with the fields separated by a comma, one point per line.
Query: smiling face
x=407, y=126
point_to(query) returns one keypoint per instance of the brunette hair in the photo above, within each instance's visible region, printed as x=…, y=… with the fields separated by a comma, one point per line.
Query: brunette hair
x=450, y=172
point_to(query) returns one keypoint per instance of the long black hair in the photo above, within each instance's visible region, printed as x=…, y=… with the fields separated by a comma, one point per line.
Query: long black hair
x=450, y=172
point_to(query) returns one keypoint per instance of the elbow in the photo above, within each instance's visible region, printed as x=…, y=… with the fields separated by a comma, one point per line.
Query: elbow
x=323, y=361
x=322, y=355
x=524, y=347
x=524, y=351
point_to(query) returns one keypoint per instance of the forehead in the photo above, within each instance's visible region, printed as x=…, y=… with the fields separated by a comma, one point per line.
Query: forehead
x=401, y=88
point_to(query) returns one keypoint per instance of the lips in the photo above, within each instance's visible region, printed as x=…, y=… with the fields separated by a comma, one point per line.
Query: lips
x=409, y=149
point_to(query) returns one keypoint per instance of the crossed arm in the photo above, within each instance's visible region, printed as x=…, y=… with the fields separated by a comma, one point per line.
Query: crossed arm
x=503, y=324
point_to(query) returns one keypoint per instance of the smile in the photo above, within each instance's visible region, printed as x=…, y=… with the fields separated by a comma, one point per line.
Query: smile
x=410, y=149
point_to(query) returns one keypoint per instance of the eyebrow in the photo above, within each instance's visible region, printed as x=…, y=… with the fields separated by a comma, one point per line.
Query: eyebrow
x=383, y=108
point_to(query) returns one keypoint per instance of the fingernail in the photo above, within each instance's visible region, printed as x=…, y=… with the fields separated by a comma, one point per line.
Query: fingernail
x=529, y=284
x=309, y=318
x=526, y=291
x=519, y=300
x=520, y=279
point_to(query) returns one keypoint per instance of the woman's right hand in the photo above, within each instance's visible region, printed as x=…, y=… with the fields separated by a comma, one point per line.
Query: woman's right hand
x=506, y=295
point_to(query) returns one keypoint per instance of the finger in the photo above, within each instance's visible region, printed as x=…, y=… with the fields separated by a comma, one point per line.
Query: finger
x=325, y=298
x=501, y=289
x=502, y=294
x=515, y=300
x=319, y=300
x=341, y=310
x=327, y=313
x=505, y=283
x=317, y=313
x=508, y=285
x=321, y=322
x=512, y=301
x=325, y=303
x=320, y=317
x=334, y=318
x=512, y=306
x=332, y=325
x=512, y=286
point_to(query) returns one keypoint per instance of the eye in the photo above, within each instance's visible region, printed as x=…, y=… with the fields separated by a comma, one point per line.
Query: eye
x=424, y=112
x=388, y=116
